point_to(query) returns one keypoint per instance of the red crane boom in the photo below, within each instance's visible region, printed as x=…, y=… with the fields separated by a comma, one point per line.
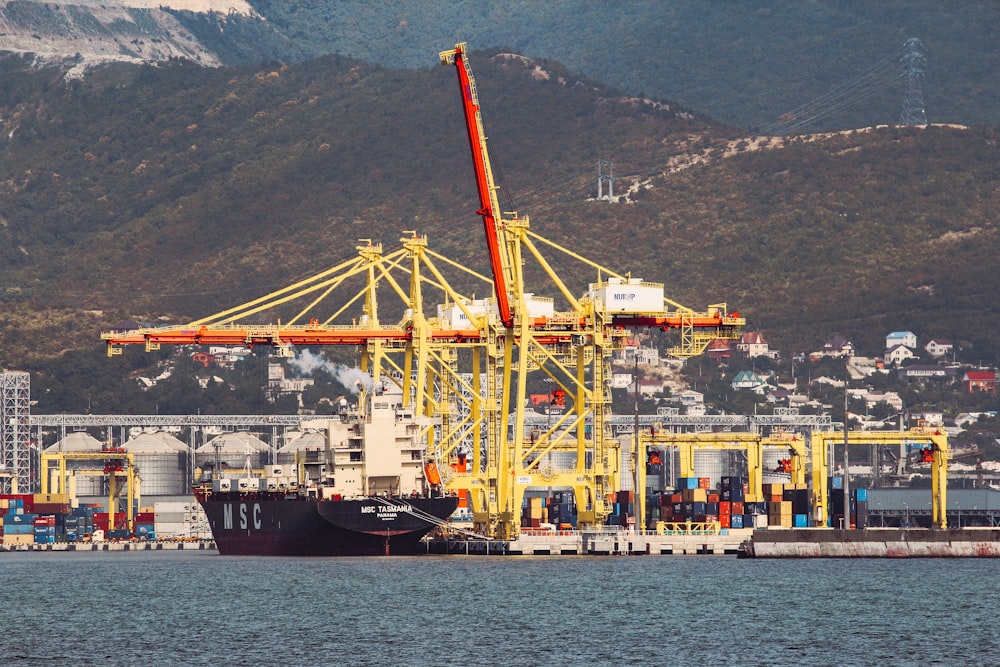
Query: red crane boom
x=489, y=207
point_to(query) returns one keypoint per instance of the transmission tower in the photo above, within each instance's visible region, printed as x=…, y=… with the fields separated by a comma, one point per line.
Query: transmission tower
x=913, y=98
x=608, y=177
x=15, y=415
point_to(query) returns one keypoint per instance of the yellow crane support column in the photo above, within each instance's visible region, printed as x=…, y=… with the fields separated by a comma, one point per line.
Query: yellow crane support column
x=821, y=443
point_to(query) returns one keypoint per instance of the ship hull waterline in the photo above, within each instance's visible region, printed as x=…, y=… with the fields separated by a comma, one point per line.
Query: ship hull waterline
x=268, y=524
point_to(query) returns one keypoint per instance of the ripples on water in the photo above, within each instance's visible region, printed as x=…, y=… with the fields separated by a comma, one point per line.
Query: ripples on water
x=198, y=608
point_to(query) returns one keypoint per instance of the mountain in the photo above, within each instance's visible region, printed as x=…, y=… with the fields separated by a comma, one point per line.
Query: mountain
x=171, y=192
x=783, y=66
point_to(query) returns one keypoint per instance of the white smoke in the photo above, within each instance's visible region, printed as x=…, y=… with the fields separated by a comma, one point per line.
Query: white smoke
x=307, y=362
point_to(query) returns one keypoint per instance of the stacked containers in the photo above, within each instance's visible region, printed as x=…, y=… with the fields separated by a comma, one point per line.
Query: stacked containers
x=82, y=519
x=144, y=526
x=18, y=527
x=859, y=508
x=533, y=512
x=623, y=508
x=779, y=510
x=179, y=519
x=836, y=501
x=45, y=529
x=562, y=510
x=732, y=494
x=798, y=495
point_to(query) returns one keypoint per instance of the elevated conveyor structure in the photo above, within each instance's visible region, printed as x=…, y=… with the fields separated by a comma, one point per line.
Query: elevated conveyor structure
x=467, y=365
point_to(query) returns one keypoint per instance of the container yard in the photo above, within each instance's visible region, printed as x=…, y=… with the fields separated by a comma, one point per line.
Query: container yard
x=57, y=522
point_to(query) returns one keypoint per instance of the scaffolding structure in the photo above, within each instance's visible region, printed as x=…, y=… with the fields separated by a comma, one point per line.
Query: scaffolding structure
x=15, y=415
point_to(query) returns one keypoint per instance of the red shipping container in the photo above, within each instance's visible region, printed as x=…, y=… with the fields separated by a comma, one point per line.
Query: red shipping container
x=49, y=520
x=725, y=508
x=676, y=497
x=723, y=520
x=737, y=508
x=101, y=520
x=52, y=508
x=704, y=482
x=144, y=517
x=713, y=497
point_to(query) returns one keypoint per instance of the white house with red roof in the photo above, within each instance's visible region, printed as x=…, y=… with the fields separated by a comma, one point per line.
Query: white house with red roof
x=752, y=344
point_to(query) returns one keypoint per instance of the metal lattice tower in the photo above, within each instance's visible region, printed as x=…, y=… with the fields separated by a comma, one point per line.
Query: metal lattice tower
x=15, y=417
x=603, y=178
x=913, y=98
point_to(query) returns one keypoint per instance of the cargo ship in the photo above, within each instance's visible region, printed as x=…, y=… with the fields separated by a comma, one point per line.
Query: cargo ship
x=371, y=493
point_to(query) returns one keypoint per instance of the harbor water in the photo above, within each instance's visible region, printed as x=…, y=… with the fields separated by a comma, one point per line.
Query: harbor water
x=199, y=608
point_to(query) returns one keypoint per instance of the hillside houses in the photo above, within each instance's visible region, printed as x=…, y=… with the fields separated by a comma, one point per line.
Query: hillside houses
x=980, y=381
x=897, y=354
x=749, y=380
x=906, y=338
x=752, y=344
x=925, y=372
x=837, y=346
x=939, y=347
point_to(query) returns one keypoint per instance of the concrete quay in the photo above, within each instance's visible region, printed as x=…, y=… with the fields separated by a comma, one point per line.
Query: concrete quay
x=197, y=545
x=875, y=543
x=614, y=543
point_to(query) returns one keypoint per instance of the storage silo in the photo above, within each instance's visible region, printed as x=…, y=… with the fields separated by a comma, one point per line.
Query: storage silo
x=232, y=451
x=81, y=441
x=160, y=461
x=310, y=447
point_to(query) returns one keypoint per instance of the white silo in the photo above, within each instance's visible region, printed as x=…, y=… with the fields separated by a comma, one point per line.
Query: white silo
x=309, y=450
x=82, y=442
x=310, y=447
x=232, y=450
x=160, y=462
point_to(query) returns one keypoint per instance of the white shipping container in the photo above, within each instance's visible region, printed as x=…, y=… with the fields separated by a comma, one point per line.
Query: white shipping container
x=248, y=483
x=456, y=318
x=631, y=296
x=539, y=306
x=179, y=507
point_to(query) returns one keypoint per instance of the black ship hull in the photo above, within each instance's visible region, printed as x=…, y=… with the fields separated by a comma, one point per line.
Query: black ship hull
x=276, y=524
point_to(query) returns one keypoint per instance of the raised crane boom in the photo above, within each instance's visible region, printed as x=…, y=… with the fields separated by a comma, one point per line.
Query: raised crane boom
x=489, y=206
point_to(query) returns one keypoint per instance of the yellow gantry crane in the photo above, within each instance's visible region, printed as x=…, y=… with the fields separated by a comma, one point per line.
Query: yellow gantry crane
x=809, y=459
x=116, y=465
x=468, y=364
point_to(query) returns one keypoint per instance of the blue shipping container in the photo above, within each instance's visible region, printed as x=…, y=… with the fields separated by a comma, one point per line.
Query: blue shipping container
x=687, y=483
x=800, y=521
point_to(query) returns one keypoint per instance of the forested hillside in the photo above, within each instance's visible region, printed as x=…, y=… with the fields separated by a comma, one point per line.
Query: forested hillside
x=174, y=192
x=782, y=65
x=837, y=65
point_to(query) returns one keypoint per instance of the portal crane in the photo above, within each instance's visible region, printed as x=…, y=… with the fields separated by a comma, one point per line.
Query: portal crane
x=478, y=408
